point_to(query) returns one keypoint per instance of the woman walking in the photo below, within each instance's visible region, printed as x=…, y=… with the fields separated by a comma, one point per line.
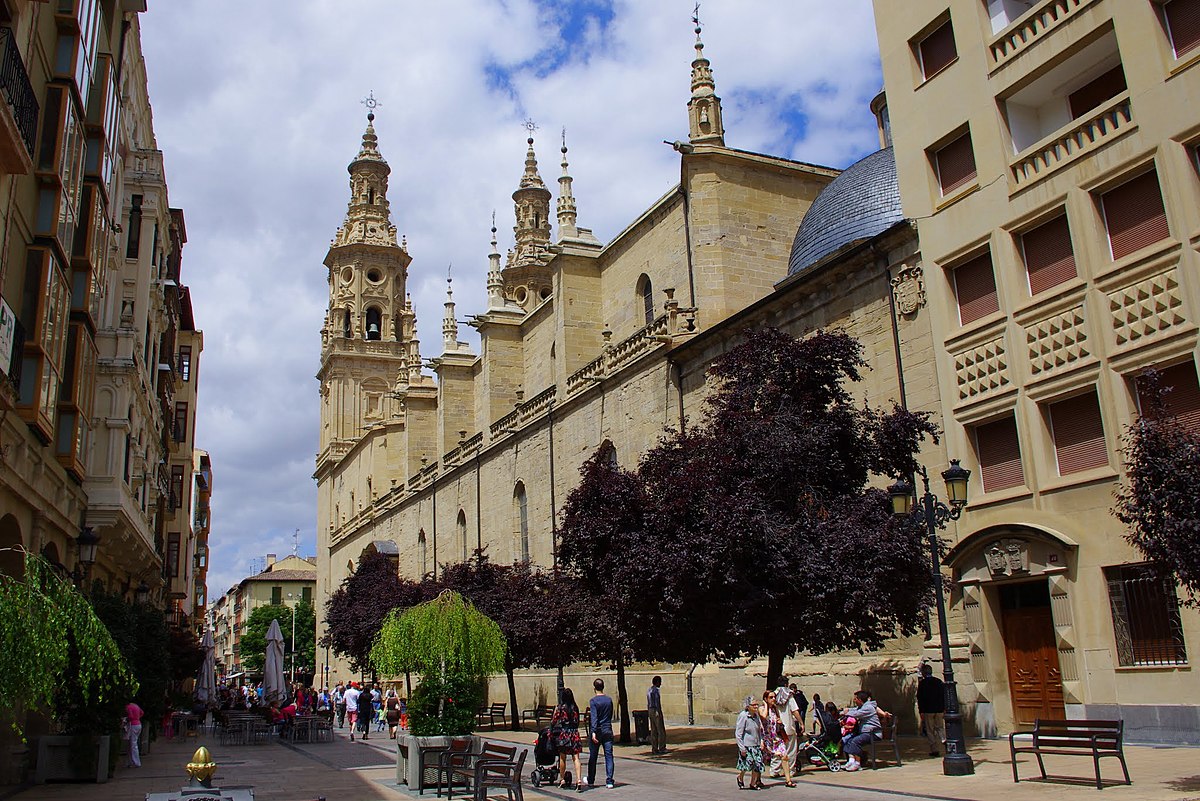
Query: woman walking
x=565, y=727
x=748, y=733
x=133, y=719
x=392, y=710
x=775, y=736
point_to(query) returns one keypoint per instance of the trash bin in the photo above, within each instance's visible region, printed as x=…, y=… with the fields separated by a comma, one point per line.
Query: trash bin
x=641, y=726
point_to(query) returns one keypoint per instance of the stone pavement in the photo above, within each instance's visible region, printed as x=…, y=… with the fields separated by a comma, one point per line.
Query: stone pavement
x=697, y=767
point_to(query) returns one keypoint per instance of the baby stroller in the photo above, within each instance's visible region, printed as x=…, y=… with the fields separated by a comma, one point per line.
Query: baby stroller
x=822, y=749
x=545, y=757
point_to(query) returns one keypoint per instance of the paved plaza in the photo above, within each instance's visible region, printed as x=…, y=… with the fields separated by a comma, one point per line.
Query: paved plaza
x=696, y=767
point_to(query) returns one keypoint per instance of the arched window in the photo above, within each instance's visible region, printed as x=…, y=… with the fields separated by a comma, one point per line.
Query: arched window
x=462, y=533
x=422, y=552
x=521, y=510
x=608, y=453
x=645, y=292
x=374, y=319
x=371, y=195
x=347, y=324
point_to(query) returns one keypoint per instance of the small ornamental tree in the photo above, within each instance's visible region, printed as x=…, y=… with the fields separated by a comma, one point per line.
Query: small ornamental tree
x=254, y=640
x=454, y=647
x=56, y=655
x=1159, y=501
x=354, y=613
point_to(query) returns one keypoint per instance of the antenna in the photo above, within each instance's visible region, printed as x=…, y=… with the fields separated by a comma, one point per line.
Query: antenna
x=296, y=542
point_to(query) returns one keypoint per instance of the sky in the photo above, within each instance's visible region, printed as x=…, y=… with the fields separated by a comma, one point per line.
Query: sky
x=257, y=109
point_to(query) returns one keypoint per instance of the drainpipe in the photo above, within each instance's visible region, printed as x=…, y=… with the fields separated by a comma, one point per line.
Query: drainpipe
x=435, y=526
x=675, y=376
x=553, y=508
x=687, y=242
x=478, y=504
x=691, y=707
x=887, y=271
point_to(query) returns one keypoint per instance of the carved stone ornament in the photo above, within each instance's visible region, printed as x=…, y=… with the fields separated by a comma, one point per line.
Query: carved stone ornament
x=908, y=286
x=1007, y=558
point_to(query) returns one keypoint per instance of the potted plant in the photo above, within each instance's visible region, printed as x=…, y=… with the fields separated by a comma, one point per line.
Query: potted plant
x=453, y=647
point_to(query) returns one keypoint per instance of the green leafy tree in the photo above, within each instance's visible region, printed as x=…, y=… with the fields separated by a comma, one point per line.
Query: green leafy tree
x=254, y=640
x=140, y=632
x=1159, y=501
x=354, y=614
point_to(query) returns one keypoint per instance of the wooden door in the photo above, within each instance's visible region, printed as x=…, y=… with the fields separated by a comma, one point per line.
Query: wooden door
x=1034, y=678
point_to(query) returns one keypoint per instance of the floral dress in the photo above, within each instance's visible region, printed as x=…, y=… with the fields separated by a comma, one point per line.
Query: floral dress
x=564, y=727
x=773, y=739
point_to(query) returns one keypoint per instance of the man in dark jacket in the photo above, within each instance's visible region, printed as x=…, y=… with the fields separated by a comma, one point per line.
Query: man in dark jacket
x=931, y=704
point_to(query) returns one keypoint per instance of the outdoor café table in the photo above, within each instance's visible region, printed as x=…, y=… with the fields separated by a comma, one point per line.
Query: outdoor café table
x=302, y=728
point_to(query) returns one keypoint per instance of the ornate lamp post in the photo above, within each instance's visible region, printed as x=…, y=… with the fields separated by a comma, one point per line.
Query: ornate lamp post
x=956, y=762
x=293, y=605
x=142, y=594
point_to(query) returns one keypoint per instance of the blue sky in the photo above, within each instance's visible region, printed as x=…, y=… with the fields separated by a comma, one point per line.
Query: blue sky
x=257, y=133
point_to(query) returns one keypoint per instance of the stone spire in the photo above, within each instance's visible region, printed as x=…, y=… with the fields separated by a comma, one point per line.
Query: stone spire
x=449, y=321
x=566, y=201
x=532, y=205
x=704, y=109
x=414, y=345
x=495, y=281
x=368, y=213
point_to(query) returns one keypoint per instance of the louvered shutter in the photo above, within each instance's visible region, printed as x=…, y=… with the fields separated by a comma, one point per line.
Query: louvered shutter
x=975, y=287
x=1134, y=215
x=1183, y=400
x=937, y=50
x=1049, y=257
x=1096, y=91
x=1183, y=23
x=999, y=455
x=956, y=164
x=1078, y=434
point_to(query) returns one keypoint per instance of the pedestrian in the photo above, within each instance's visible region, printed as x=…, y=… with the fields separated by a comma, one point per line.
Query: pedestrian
x=658, y=730
x=802, y=703
x=366, y=710
x=865, y=713
x=339, y=703
x=377, y=708
x=564, y=727
x=350, y=698
x=600, y=709
x=931, y=705
x=789, y=715
x=774, y=736
x=818, y=707
x=133, y=732
x=392, y=712
x=748, y=734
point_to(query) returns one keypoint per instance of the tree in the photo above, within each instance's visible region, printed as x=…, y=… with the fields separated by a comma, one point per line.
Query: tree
x=1160, y=499
x=140, y=632
x=254, y=640
x=354, y=614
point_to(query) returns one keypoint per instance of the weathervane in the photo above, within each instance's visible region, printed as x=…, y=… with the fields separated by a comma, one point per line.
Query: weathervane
x=530, y=126
x=371, y=103
x=696, y=20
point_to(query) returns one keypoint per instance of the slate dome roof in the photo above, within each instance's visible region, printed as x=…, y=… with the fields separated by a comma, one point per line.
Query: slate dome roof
x=861, y=202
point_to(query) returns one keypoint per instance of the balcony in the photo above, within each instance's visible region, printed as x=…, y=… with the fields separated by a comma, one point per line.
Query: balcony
x=1097, y=129
x=18, y=122
x=1019, y=34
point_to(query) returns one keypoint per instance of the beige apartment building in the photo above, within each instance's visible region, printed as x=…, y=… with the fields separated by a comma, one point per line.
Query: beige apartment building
x=585, y=343
x=1048, y=153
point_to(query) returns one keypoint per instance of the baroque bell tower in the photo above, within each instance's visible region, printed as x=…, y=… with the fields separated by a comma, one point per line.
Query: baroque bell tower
x=368, y=339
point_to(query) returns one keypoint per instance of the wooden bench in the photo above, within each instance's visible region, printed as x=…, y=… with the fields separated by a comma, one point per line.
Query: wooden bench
x=490, y=713
x=537, y=713
x=1094, y=738
x=887, y=722
x=476, y=771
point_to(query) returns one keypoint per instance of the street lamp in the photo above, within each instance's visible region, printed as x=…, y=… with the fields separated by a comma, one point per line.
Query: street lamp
x=142, y=593
x=957, y=762
x=88, y=541
x=290, y=597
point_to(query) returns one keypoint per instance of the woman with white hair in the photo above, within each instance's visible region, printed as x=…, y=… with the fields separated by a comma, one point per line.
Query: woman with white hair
x=749, y=742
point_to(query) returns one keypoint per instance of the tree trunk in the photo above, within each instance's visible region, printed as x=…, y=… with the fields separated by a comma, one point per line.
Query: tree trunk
x=775, y=657
x=408, y=682
x=562, y=683
x=515, y=717
x=623, y=698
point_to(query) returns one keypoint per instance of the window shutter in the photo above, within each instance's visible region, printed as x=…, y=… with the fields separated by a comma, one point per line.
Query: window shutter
x=1134, y=215
x=1096, y=91
x=1078, y=434
x=1048, y=255
x=1183, y=23
x=937, y=50
x=1183, y=400
x=956, y=164
x=975, y=287
x=999, y=455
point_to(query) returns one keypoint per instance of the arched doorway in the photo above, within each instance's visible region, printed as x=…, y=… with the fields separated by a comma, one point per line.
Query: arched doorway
x=12, y=557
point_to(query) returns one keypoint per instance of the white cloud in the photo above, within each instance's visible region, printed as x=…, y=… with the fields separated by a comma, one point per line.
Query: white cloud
x=256, y=109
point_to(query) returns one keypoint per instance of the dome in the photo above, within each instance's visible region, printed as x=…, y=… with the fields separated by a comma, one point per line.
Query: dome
x=860, y=203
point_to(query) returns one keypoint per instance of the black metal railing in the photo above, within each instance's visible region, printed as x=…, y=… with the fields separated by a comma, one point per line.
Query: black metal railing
x=14, y=81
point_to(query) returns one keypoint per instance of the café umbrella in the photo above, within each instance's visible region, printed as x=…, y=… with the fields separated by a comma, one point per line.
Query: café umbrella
x=274, y=688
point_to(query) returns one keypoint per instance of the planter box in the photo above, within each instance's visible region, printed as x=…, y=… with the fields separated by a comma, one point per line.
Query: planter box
x=54, y=760
x=407, y=749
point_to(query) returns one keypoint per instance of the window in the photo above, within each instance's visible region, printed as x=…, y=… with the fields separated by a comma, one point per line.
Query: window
x=181, y=421
x=176, y=486
x=133, y=237
x=347, y=324
x=936, y=51
x=277, y=596
x=45, y=305
x=461, y=526
x=1183, y=399
x=1049, y=258
x=646, y=294
x=373, y=320
x=306, y=594
x=185, y=362
x=1096, y=91
x=955, y=164
x=422, y=552
x=521, y=504
x=172, y=561
x=1134, y=215
x=999, y=452
x=1078, y=433
x=975, y=288
x=1182, y=18
x=1145, y=614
